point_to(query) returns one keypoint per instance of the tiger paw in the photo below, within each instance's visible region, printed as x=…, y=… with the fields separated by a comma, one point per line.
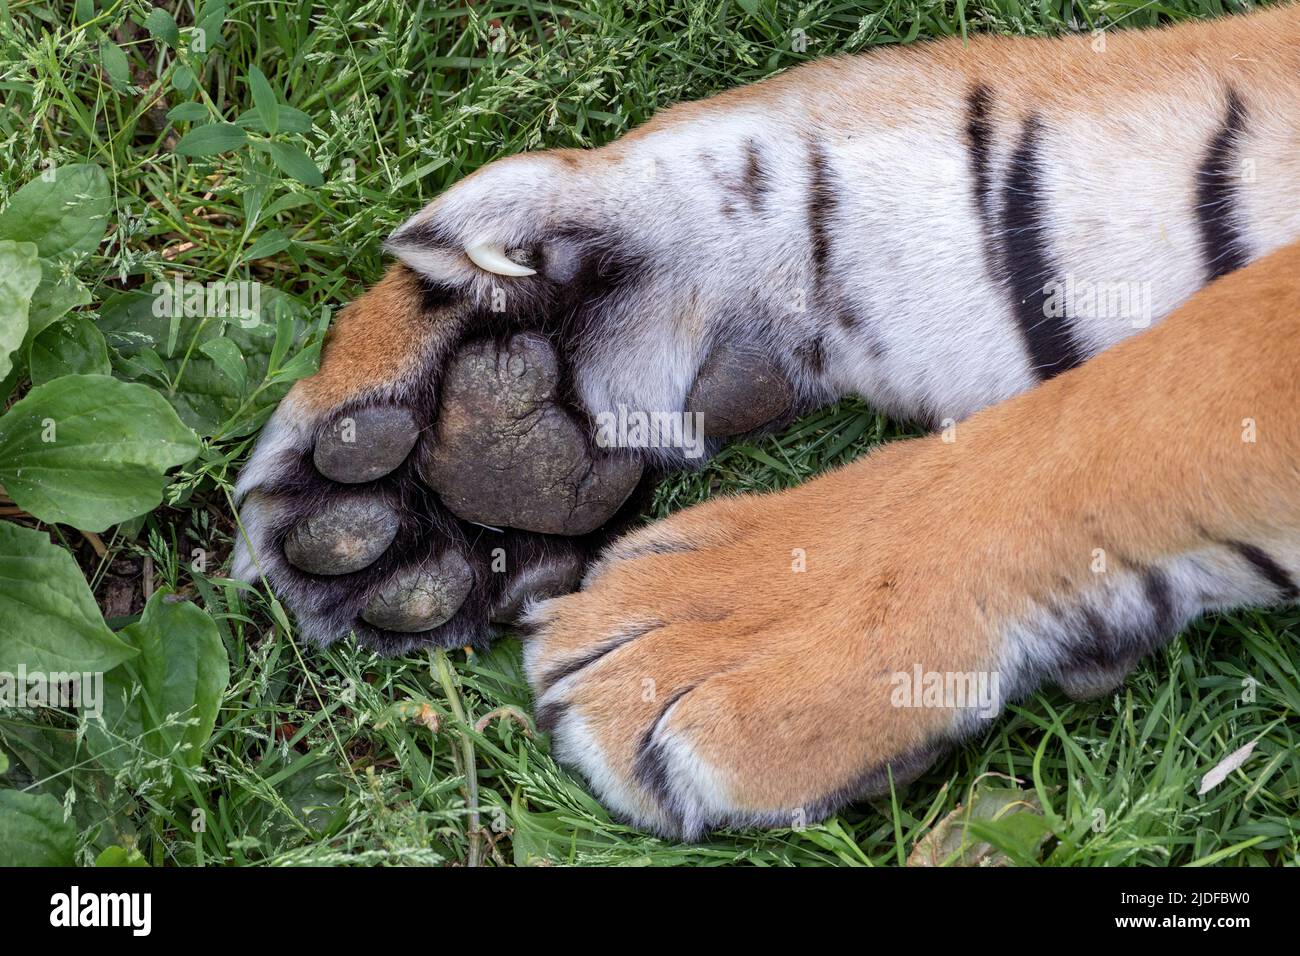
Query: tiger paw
x=408, y=526
x=737, y=665
x=465, y=446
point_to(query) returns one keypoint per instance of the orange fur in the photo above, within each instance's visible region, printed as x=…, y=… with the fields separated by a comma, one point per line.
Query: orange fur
x=1089, y=73
x=922, y=553
x=374, y=340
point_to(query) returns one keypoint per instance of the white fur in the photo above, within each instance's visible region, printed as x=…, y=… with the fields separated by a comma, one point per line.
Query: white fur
x=940, y=337
x=288, y=432
x=575, y=745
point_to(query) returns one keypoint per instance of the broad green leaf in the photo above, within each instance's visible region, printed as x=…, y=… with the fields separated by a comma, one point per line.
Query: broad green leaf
x=145, y=365
x=115, y=63
x=264, y=98
x=4, y=763
x=188, y=113
x=116, y=856
x=165, y=700
x=182, y=78
x=267, y=244
x=53, y=299
x=161, y=26
x=204, y=396
x=211, y=139
x=290, y=120
x=68, y=348
x=65, y=215
x=225, y=354
x=210, y=18
x=1000, y=826
x=57, y=758
x=51, y=620
x=294, y=162
x=90, y=451
x=33, y=831
x=20, y=274
x=310, y=789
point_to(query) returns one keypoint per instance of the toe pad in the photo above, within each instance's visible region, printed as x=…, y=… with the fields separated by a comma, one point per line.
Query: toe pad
x=366, y=445
x=738, y=390
x=350, y=534
x=421, y=598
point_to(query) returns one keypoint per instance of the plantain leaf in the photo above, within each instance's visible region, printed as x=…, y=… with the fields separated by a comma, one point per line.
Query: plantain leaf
x=64, y=212
x=65, y=348
x=164, y=701
x=20, y=274
x=33, y=831
x=51, y=621
x=90, y=451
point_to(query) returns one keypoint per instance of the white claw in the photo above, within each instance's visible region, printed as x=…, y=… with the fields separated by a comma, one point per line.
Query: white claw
x=491, y=257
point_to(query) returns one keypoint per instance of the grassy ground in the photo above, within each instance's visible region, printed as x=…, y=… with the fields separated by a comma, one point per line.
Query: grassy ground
x=343, y=758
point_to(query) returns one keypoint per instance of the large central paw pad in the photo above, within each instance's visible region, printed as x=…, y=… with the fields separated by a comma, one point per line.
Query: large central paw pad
x=504, y=453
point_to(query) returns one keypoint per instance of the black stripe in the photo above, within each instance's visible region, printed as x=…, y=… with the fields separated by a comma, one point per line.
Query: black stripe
x=1100, y=648
x=979, y=135
x=979, y=145
x=1047, y=338
x=561, y=671
x=547, y=716
x=812, y=355
x=756, y=184
x=435, y=295
x=821, y=205
x=425, y=234
x=1161, y=598
x=649, y=766
x=1222, y=245
x=1268, y=569
x=847, y=316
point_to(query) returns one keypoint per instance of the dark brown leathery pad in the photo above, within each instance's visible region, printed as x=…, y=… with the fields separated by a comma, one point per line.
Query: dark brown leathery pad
x=738, y=390
x=366, y=444
x=347, y=536
x=423, y=597
x=551, y=577
x=505, y=454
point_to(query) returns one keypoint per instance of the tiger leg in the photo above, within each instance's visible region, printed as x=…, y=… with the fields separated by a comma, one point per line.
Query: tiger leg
x=763, y=660
x=919, y=226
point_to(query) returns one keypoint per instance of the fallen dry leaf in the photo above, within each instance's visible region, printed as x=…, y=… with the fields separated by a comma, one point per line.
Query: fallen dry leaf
x=1220, y=771
x=1016, y=813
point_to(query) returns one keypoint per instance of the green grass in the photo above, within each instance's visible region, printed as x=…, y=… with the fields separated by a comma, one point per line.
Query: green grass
x=344, y=758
